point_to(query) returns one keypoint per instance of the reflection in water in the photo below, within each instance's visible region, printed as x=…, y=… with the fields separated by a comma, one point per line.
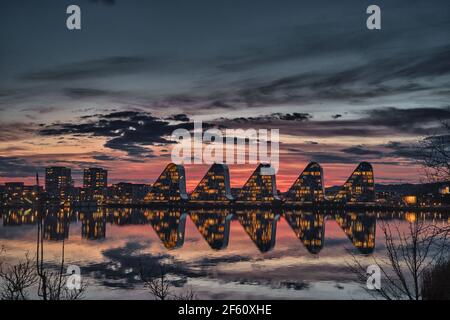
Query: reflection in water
x=360, y=229
x=169, y=226
x=214, y=226
x=309, y=228
x=20, y=217
x=127, y=216
x=261, y=226
x=93, y=225
x=56, y=225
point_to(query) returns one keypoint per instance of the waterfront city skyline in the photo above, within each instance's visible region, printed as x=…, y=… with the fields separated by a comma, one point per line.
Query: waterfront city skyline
x=110, y=95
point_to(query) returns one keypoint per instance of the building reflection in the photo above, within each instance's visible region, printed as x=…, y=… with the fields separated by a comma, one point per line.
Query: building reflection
x=360, y=229
x=169, y=225
x=261, y=226
x=214, y=226
x=20, y=217
x=56, y=224
x=127, y=216
x=309, y=227
x=93, y=225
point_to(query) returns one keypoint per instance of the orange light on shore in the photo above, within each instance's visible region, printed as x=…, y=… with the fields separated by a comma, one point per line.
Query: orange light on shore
x=410, y=200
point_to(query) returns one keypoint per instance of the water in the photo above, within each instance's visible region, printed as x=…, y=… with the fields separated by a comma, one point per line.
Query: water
x=246, y=254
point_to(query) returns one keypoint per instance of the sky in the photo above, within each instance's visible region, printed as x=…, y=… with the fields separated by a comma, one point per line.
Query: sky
x=111, y=94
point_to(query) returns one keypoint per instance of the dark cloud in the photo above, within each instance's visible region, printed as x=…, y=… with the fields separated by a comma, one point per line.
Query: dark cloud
x=408, y=151
x=404, y=150
x=81, y=93
x=407, y=119
x=331, y=157
x=272, y=117
x=103, y=157
x=16, y=131
x=16, y=167
x=125, y=264
x=179, y=117
x=362, y=151
x=378, y=77
x=377, y=122
x=99, y=68
x=435, y=64
x=128, y=131
x=107, y=2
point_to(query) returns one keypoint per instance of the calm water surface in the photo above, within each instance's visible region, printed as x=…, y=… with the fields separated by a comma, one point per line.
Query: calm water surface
x=250, y=254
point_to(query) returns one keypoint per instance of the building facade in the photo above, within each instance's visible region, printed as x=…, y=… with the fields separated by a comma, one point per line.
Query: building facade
x=215, y=185
x=58, y=182
x=309, y=186
x=309, y=228
x=360, y=187
x=95, y=184
x=259, y=187
x=170, y=186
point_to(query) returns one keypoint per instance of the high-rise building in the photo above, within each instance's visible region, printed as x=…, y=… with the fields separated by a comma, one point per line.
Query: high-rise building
x=170, y=186
x=58, y=181
x=95, y=183
x=260, y=187
x=215, y=185
x=309, y=185
x=360, y=187
x=95, y=178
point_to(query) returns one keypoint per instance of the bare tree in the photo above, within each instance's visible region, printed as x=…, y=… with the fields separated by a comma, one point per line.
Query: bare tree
x=156, y=281
x=185, y=296
x=408, y=256
x=157, y=284
x=52, y=281
x=17, y=279
x=435, y=155
x=57, y=289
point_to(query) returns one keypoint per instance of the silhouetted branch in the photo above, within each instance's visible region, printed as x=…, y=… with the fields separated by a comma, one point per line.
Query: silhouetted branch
x=16, y=279
x=434, y=154
x=408, y=256
x=155, y=280
x=157, y=284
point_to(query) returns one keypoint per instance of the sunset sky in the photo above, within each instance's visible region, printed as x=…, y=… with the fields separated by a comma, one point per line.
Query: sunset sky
x=111, y=94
